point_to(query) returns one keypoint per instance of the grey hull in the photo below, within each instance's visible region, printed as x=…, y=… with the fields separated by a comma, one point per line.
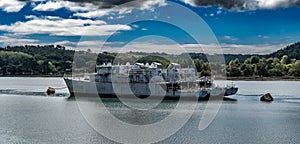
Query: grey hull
x=141, y=90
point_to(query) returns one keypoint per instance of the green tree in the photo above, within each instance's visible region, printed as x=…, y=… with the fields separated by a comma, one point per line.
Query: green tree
x=254, y=59
x=198, y=64
x=247, y=69
x=284, y=59
x=51, y=68
x=233, y=68
x=206, y=70
x=261, y=68
x=295, y=69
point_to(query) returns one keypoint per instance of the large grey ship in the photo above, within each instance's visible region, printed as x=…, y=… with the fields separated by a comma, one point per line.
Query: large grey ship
x=145, y=80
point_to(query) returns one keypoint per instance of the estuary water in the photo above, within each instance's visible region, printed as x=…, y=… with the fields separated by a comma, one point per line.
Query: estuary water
x=28, y=115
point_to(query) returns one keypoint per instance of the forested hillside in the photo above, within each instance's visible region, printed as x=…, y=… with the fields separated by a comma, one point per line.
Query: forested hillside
x=292, y=51
x=35, y=60
x=56, y=60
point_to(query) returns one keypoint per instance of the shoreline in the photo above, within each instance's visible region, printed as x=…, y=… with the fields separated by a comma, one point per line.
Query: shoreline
x=284, y=78
x=32, y=76
x=263, y=78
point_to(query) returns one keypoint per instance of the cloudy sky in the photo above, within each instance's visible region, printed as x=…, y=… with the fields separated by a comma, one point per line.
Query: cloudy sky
x=239, y=26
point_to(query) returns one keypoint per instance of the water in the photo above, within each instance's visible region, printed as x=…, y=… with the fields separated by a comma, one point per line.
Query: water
x=28, y=115
x=35, y=86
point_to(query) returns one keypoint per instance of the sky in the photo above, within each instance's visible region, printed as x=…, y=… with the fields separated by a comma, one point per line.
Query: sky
x=171, y=26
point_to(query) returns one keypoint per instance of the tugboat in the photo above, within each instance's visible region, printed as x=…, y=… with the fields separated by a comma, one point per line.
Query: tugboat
x=144, y=80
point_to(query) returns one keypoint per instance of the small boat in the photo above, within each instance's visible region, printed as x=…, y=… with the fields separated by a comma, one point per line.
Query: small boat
x=50, y=91
x=266, y=97
x=231, y=91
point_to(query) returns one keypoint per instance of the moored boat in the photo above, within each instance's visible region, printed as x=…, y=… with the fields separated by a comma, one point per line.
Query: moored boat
x=144, y=80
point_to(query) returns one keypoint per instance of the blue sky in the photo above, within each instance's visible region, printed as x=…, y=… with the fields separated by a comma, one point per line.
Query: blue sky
x=241, y=27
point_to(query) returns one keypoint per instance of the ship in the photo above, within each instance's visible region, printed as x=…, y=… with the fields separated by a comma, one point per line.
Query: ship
x=145, y=80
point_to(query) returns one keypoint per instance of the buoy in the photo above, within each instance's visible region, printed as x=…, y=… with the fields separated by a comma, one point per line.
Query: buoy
x=50, y=91
x=266, y=97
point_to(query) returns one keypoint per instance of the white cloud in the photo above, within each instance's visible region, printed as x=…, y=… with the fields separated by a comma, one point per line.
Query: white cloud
x=149, y=46
x=95, y=10
x=271, y=4
x=72, y=6
x=95, y=13
x=13, y=41
x=229, y=38
x=161, y=44
x=245, y=4
x=66, y=43
x=63, y=27
x=197, y=48
x=262, y=36
x=238, y=48
x=122, y=9
x=31, y=17
x=94, y=45
x=191, y=2
x=148, y=5
x=11, y=5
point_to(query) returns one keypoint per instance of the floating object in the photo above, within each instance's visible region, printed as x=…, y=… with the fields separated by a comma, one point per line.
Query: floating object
x=231, y=91
x=50, y=91
x=266, y=97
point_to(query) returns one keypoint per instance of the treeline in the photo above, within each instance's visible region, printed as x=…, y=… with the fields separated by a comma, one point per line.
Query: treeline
x=35, y=60
x=264, y=67
x=284, y=62
x=46, y=60
x=292, y=51
x=56, y=60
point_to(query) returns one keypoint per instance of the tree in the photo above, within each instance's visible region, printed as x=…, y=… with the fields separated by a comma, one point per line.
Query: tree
x=284, y=59
x=295, y=69
x=51, y=68
x=254, y=59
x=206, y=70
x=233, y=68
x=247, y=69
x=199, y=64
x=261, y=68
x=234, y=63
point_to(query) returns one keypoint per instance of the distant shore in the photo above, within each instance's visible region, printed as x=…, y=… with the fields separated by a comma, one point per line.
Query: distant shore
x=284, y=78
x=265, y=78
x=31, y=76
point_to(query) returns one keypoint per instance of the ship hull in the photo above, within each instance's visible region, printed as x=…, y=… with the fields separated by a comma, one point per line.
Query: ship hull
x=125, y=90
x=231, y=91
x=141, y=90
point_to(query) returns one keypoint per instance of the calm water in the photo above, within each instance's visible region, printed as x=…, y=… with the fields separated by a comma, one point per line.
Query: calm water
x=28, y=115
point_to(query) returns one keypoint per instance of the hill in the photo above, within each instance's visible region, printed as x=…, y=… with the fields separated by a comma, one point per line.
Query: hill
x=36, y=60
x=55, y=60
x=292, y=51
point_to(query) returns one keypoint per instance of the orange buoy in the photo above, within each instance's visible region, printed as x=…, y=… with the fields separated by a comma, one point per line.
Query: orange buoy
x=266, y=97
x=50, y=91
